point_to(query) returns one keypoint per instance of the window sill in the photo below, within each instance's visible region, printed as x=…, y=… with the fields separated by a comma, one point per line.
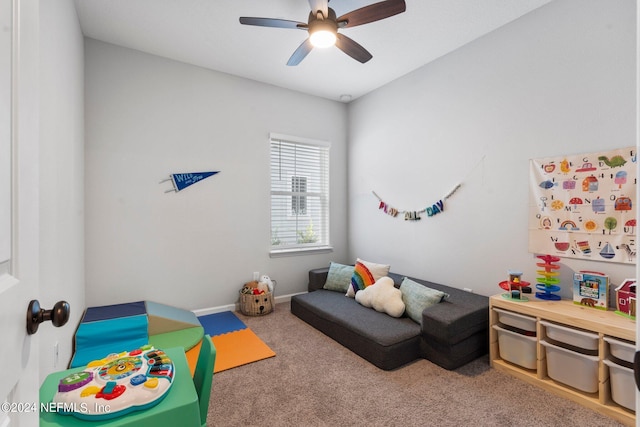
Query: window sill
x=277, y=253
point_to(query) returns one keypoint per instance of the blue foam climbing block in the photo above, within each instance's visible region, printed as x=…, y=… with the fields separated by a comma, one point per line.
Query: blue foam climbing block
x=95, y=340
x=171, y=313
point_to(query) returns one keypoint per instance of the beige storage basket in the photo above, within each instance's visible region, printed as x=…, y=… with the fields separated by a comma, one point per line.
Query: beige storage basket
x=256, y=305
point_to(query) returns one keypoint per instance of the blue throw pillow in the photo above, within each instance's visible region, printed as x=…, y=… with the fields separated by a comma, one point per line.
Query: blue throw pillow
x=417, y=297
x=339, y=277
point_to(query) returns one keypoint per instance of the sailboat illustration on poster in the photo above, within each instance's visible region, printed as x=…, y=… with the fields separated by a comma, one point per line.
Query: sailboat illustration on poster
x=183, y=180
x=607, y=252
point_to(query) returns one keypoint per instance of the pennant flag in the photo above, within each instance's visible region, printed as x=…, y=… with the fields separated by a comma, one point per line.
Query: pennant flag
x=183, y=180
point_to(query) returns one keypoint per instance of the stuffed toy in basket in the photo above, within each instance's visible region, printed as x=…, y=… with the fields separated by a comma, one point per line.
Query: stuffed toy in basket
x=256, y=297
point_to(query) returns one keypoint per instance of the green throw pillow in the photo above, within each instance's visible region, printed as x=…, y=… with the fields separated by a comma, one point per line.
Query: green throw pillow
x=417, y=297
x=339, y=277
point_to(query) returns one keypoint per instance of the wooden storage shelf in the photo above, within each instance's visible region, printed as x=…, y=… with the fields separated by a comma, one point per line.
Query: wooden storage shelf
x=566, y=313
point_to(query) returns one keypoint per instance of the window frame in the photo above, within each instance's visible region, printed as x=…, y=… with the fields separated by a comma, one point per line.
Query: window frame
x=323, y=245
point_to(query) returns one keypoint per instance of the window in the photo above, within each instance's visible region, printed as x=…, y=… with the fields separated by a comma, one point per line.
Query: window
x=298, y=203
x=299, y=194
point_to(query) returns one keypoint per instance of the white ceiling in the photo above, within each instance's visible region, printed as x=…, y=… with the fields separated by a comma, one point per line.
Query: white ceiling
x=207, y=33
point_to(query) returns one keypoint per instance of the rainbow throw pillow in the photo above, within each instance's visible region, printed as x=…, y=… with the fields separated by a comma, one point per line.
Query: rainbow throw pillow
x=362, y=277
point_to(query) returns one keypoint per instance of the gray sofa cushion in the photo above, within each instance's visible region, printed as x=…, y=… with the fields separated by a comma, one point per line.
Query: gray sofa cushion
x=385, y=341
x=317, y=278
x=454, y=332
x=452, y=356
x=384, y=330
x=458, y=317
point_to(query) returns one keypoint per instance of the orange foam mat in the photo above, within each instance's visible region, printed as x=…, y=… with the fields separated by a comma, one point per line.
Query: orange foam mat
x=239, y=348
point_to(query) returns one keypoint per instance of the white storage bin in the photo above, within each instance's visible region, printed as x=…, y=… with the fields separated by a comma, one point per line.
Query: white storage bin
x=623, y=387
x=572, y=368
x=517, y=348
x=516, y=320
x=623, y=350
x=571, y=336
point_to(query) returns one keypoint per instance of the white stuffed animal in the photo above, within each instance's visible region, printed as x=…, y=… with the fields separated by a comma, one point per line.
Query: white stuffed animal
x=382, y=296
x=265, y=284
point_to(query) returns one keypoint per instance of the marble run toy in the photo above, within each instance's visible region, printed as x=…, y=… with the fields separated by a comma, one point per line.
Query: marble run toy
x=549, y=281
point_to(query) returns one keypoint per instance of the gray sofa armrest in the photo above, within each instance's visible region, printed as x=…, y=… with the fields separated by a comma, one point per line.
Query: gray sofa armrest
x=452, y=322
x=317, y=278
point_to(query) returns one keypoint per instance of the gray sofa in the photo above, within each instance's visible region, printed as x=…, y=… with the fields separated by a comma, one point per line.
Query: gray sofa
x=453, y=333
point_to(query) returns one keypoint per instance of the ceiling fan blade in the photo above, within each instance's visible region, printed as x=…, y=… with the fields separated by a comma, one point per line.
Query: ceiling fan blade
x=270, y=22
x=371, y=13
x=301, y=52
x=352, y=48
x=320, y=5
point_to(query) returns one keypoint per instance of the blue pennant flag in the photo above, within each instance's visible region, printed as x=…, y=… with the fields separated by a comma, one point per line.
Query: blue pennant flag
x=183, y=180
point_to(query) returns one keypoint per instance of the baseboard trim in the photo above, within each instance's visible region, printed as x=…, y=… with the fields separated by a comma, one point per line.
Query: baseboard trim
x=236, y=306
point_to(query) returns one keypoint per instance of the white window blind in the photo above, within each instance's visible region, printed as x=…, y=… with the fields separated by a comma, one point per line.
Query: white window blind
x=299, y=194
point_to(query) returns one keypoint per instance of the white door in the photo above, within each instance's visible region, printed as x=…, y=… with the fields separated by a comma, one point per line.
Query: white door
x=19, y=380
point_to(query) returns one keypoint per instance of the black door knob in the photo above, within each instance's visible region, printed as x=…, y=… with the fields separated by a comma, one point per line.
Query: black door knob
x=59, y=315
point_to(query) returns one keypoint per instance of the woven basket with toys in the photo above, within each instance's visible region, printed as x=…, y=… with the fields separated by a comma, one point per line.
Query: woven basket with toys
x=256, y=297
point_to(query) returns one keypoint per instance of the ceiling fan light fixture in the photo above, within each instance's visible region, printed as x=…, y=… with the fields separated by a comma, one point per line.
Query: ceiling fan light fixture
x=323, y=24
x=323, y=31
x=323, y=38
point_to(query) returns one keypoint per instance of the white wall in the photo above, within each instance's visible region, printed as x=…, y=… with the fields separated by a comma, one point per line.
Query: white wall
x=61, y=175
x=148, y=117
x=560, y=80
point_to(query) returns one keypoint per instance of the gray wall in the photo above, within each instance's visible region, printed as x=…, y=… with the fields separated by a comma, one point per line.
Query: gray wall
x=148, y=117
x=559, y=80
x=61, y=185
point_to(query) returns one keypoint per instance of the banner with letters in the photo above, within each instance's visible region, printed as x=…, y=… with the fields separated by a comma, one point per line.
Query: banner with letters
x=181, y=181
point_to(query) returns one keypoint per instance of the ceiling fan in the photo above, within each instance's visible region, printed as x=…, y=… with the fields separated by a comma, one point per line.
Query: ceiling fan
x=323, y=26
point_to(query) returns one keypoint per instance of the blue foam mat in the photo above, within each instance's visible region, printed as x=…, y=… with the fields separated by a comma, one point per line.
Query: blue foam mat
x=221, y=323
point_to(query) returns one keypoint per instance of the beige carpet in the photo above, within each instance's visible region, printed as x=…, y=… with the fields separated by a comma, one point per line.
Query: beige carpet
x=314, y=381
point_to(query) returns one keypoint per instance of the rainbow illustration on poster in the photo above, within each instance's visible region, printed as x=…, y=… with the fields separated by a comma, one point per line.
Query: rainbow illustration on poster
x=583, y=206
x=568, y=225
